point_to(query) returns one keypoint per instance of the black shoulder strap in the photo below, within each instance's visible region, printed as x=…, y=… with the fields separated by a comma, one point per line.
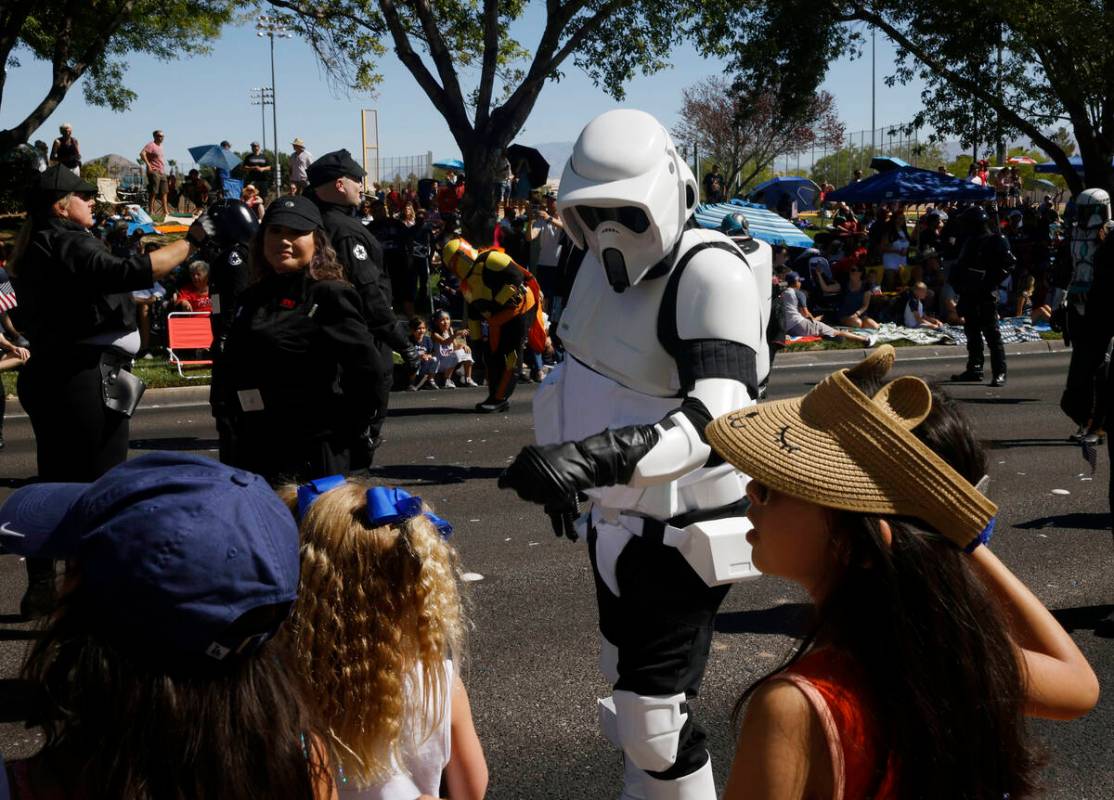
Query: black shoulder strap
x=667, y=312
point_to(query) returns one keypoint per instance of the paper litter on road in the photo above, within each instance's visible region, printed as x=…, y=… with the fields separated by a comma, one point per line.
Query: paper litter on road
x=471, y=577
x=1060, y=491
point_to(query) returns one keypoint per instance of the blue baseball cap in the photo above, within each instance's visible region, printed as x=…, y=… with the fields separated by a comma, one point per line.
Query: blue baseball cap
x=174, y=550
x=792, y=277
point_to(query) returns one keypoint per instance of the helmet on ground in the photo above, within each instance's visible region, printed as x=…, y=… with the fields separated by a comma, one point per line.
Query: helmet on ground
x=735, y=224
x=1092, y=208
x=626, y=194
x=233, y=222
x=458, y=255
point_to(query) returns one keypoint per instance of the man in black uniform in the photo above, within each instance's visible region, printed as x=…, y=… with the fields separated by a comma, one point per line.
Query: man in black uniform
x=334, y=181
x=984, y=261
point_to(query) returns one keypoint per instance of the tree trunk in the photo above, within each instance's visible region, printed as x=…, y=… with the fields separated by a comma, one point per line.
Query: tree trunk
x=482, y=160
x=1097, y=171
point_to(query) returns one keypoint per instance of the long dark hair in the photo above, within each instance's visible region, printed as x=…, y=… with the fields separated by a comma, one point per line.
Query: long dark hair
x=120, y=727
x=323, y=267
x=930, y=642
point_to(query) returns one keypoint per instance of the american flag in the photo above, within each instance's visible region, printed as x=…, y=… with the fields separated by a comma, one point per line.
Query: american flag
x=7, y=296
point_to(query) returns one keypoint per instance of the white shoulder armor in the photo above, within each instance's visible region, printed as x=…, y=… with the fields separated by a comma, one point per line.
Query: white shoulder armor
x=719, y=293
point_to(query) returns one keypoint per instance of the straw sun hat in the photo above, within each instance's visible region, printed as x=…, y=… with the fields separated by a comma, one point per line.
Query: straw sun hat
x=839, y=448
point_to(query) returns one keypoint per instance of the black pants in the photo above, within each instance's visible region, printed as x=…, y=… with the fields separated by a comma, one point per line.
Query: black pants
x=1083, y=399
x=661, y=624
x=502, y=362
x=980, y=321
x=77, y=438
x=362, y=449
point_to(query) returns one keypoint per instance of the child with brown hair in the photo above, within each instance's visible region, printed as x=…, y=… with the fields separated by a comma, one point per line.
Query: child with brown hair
x=376, y=636
x=926, y=652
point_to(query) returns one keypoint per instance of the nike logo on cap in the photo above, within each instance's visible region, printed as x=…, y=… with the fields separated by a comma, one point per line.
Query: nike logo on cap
x=5, y=530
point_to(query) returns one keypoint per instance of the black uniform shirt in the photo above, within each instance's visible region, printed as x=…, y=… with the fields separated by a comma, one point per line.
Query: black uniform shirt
x=70, y=287
x=304, y=347
x=229, y=276
x=362, y=257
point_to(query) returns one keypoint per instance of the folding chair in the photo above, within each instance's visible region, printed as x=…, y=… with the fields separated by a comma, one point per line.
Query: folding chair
x=188, y=330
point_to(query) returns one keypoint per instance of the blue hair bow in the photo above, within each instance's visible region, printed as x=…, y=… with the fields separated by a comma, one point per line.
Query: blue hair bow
x=389, y=506
x=384, y=506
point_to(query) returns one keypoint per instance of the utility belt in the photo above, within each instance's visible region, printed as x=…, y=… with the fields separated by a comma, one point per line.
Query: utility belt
x=712, y=541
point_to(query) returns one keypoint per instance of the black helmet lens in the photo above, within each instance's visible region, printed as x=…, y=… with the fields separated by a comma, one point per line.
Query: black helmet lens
x=630, y=217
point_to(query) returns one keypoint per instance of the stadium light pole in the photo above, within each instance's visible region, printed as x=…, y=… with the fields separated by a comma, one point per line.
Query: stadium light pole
x=262, y=97
x=271, y=27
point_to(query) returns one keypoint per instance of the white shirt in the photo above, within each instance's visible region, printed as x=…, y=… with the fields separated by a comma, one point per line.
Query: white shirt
x=299, y=162
x=549, y=238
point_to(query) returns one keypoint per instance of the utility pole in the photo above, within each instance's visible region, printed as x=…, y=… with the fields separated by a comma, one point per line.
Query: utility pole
x=271, y=27
x=873, y=92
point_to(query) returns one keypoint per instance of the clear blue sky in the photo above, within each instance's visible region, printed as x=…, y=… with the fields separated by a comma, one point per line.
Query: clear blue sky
x=203, y=100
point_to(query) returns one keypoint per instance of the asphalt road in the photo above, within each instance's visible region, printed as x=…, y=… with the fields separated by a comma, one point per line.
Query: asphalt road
x=531, y=665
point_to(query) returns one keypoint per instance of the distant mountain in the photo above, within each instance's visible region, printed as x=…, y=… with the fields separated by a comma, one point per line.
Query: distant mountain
x=115, y=161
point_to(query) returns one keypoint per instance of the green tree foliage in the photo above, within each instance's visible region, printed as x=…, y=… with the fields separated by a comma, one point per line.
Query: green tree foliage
x=90, y=41
x=837, y=168
x=992, y=70
x=744, y=130
x=477, y=75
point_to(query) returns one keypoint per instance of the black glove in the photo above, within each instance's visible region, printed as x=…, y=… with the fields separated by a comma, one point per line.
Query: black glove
x=412, y=356
x=552, y=474
x=563, y=516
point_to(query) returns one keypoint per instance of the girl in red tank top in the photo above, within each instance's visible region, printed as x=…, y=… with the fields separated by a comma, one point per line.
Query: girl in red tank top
x=925, y=652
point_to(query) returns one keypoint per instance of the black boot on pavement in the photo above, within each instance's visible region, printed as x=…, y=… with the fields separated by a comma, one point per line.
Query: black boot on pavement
x=490, y=406
x=968, y=375
x=998, y=380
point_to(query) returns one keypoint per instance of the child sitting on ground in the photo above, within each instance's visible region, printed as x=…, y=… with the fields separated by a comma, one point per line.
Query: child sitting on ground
x=377, y=639
x=452, y=350
x=914, y=314
x=427, y=369
x=867, y=495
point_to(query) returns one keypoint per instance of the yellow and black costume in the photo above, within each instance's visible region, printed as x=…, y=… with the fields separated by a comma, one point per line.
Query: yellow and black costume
x=506, y=296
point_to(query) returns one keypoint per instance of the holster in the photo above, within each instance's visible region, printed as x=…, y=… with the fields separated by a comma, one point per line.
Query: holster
x=120, y=389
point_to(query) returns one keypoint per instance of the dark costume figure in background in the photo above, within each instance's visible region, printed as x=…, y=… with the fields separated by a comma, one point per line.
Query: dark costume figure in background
x=665, y=330
x=1088, y=314
x=227, y=252
x=505, y=296
x=983, y=263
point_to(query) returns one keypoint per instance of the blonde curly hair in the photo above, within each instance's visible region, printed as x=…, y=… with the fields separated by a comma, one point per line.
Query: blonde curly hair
x=376, y=606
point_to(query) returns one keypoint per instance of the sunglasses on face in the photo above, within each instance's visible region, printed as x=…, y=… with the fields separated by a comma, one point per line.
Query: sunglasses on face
x=86, y=195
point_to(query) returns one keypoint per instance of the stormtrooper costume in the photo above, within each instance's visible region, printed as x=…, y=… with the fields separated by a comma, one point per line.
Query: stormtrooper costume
x=665, y=329
x=1087, y=326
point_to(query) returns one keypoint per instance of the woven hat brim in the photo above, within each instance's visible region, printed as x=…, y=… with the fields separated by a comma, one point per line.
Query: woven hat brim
x=774, y=445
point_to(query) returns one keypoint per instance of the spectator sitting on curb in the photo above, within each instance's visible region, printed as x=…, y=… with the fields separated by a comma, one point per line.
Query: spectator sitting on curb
x=427, y=369
x=799, y=321
x=914, y=315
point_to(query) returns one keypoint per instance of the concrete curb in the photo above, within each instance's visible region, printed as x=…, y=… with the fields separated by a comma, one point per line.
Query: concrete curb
x=928, y=352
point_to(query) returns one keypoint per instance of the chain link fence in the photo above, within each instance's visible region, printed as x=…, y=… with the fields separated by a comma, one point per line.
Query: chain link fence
x=837, y=165
x=401, y=170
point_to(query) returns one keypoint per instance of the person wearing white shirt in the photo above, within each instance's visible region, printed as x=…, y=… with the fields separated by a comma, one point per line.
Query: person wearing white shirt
x=299, y=163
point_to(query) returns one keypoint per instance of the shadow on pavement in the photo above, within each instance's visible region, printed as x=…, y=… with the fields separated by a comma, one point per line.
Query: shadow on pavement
x=790, y=619
x=18, y=700
x=999, y=401
x=1008, y=444
x=1089, y=618
x=428, y=411
x=17, y=635
x=434, y=473
x=174, y=443
x=1083, y=520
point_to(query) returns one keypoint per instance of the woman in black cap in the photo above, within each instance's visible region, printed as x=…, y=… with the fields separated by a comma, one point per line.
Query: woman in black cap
x=300, y=363
x=77, y=311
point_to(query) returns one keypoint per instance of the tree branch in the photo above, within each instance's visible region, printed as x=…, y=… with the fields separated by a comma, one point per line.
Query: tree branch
x=442, y=58
x=11, y=23
x=490, y=58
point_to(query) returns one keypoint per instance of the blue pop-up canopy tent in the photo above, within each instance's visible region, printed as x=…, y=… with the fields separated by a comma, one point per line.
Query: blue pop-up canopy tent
x=911, y=185
x=886, y=163
x=803, y=191
x=764, y=224
x=1053, y=167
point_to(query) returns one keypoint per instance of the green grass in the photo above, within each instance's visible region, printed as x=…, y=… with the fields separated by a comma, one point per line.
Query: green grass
x=156, y=373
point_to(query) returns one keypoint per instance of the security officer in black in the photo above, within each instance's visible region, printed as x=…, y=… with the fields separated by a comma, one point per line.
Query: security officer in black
x=78, y=313
x=983, y=263
x=233, y=225
x=334, y=181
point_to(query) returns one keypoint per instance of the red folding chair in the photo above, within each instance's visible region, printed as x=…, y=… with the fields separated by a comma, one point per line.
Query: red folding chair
x=188, y=330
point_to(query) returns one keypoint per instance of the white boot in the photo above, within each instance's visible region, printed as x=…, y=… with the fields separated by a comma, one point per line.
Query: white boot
x=697, y=785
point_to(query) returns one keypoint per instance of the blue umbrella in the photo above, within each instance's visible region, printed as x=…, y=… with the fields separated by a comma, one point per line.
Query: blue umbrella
x=213, y=155
x=764, y=224
x=449, y=163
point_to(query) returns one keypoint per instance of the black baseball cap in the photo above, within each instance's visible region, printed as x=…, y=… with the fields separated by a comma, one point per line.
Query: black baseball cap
x=295, y=212
x=337, y=164
x=59, y=180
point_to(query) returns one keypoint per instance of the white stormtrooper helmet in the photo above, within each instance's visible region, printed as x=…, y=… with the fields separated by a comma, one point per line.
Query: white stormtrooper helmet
x=1092, y=209
x=626, y=194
